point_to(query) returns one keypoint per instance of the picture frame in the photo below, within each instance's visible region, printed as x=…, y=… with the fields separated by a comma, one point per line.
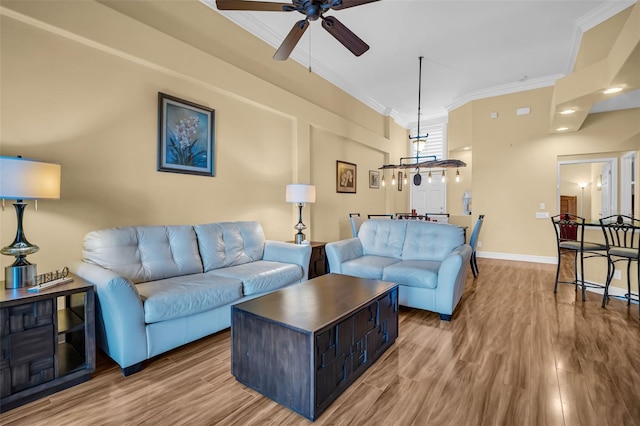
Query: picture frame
x=346, y=177
x=186, y=133
x=400, y=177
x=374, y=179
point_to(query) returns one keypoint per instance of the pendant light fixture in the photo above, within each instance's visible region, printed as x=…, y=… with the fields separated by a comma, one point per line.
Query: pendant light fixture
x=425, y=161
x=417, y=179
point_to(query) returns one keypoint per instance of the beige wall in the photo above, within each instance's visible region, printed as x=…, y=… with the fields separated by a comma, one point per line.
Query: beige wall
x=77, y=92
x=515, y=167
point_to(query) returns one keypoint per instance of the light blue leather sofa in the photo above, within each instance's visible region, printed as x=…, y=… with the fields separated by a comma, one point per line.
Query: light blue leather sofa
x=159, y=287
x=427, y=260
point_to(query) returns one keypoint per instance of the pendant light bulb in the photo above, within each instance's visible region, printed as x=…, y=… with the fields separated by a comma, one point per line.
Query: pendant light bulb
x=444, y=177
x=429, y=176
x=383, y=182
x=404, y=180
x=393, y=178
x=457, y=175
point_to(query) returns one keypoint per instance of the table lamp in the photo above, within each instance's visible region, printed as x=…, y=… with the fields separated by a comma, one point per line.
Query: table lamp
x=24, y=179
x=300, y=194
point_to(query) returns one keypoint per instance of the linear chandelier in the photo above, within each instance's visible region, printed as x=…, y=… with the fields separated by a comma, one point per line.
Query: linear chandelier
x=425, y=161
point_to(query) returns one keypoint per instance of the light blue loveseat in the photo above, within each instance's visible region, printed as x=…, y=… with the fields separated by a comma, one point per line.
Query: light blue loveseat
x=159, y=287
x=427, y=260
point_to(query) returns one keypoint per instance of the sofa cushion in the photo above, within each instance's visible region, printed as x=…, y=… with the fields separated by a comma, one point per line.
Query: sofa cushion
x=144, y=253
x=413, y=273
x=382, y=237
x=262, y=275
x=186, y=295
x=430, y=241
x=367, y=266
x=229, y=243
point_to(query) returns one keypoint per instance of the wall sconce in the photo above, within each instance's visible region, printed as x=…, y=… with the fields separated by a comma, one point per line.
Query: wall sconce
x=24, y=179
x=300, y=194
x=599, y=183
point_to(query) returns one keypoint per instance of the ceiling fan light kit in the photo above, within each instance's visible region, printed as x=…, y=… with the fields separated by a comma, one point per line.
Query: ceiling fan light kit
x=313, y=10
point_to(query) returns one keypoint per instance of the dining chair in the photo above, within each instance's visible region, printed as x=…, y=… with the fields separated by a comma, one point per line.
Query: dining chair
x=473, y=242
x=356, y=221
x=437, y=217
x=569, y=230
x=622, y=237
x=404, y=215
x=380, y=216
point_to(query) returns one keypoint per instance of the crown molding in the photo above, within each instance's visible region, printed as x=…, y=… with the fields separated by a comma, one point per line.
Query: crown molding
x=301, y=55
x=505, y=89
x=590, y=20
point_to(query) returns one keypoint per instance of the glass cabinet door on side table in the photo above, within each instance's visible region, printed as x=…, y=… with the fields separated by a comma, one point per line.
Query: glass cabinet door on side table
x=47, y=339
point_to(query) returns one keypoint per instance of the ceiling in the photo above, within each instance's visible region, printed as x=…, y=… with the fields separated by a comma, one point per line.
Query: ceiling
x=472, y=49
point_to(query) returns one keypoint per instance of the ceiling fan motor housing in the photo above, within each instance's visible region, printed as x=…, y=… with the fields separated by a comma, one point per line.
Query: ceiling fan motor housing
x=311, y=8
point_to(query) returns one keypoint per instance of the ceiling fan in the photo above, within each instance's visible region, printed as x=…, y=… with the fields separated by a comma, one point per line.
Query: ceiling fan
x=313, y=10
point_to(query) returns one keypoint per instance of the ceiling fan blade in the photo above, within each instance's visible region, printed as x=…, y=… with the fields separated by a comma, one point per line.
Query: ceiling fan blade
x=343, y=4
x=262, y=6
x=292, y=39
x=344, y=35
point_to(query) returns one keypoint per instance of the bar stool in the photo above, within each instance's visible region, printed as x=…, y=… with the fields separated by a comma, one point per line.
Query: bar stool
x=569, y=230
x=622, y=235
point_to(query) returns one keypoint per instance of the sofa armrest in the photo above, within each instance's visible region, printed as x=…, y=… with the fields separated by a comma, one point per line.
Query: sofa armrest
x=119, y=314
x=452, y=277
x=341, y=251
x=299, y=254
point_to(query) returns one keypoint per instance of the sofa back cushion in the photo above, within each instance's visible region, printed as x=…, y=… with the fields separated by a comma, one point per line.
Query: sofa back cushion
x=430, y=241
x=383, y=237
x=144, y=253
x=229, y=243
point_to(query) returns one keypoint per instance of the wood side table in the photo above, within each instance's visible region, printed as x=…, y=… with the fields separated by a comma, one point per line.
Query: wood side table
x=47, y=341
x=318, y=264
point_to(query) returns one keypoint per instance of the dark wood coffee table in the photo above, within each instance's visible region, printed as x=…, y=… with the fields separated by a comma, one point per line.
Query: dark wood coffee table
x=302, y=346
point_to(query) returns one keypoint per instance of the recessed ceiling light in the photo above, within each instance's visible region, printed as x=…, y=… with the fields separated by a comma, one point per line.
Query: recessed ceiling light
x=562, y=129
x=466, y=148
x=567, y=111
x=612, y=90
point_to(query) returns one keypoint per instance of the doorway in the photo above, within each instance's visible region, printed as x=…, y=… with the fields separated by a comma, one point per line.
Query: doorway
x=568, y=204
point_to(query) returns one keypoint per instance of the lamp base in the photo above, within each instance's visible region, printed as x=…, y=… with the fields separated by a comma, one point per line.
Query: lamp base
x=20, y=276
x=300, y=237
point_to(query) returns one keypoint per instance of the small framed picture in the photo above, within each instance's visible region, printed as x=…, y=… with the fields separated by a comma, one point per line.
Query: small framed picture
x=400, y=176
x=374, y=179
x=346, y=177
x=185, y=137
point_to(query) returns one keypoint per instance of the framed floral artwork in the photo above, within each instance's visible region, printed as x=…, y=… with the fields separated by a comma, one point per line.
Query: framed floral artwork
x=374, y=179
x=185, y=137
x=346, y=177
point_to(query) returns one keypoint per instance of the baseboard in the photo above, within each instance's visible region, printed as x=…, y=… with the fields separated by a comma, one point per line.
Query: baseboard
x=517, y=257
x=613, y=291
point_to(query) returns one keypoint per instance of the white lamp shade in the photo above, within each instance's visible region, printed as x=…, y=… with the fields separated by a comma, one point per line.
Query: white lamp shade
x=299, y=193
x=24, y=179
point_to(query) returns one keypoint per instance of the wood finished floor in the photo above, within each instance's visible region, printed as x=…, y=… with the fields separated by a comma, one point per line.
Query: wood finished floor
x=514, y=354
